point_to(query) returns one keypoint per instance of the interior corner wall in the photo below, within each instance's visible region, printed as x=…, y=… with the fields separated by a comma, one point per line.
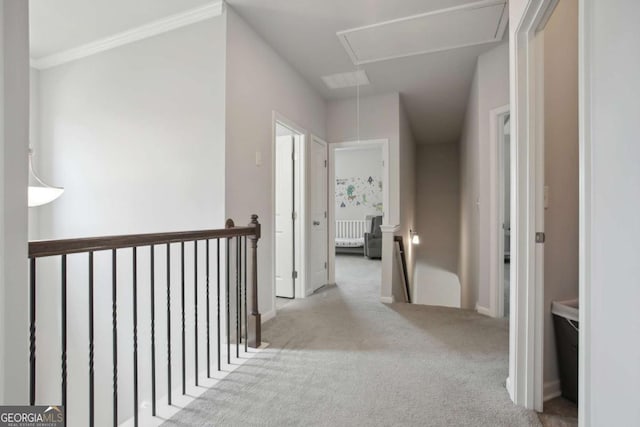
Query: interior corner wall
x=490, y=89
x=260, y=82
x=379, y=119
x=561, y=169
x=14, y=129
x=407, y=165
x=612, y=65
x=436, y=279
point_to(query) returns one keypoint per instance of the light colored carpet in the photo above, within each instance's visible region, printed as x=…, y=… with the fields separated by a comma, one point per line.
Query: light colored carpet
x=341, y=358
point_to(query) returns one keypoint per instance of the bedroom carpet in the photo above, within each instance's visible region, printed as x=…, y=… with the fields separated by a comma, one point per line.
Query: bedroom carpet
x=341, y=358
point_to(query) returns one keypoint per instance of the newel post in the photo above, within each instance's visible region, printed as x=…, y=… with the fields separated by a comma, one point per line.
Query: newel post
x=255, y=324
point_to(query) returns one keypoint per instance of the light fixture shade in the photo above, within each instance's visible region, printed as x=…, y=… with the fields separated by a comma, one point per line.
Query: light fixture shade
x=415, y=239
x=39, y=192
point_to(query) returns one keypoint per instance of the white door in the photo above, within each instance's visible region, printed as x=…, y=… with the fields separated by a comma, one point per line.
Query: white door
x=284, y=219
x=318, y=217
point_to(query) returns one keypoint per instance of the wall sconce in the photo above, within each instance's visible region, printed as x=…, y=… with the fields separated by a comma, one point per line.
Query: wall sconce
x=415, y=238
x=40, y=193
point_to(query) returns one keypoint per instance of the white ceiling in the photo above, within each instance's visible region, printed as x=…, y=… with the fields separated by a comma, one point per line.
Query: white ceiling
x=434, y=87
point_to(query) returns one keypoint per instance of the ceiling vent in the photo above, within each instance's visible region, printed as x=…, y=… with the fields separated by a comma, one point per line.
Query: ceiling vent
x=342, y=80
x=467, y=25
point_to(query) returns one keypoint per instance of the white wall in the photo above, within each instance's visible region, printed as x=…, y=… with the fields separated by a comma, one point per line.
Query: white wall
x=136, y=136
x=14, y=129
x=260, y=82
x=490, y=89
x=561, y=168
x=360, y=164
x=612, y=61
x=438, y=223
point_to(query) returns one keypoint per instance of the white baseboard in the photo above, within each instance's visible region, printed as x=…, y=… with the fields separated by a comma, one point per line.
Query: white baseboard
x=509, y=386
x=483, y=310
x=551, y=390
x=387, y=300
x=268, y=315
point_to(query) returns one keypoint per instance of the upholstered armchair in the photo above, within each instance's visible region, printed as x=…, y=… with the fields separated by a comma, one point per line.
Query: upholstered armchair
x=373, y=239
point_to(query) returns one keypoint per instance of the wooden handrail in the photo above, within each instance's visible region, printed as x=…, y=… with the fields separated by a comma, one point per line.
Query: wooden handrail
x=242, y=240
x=46, y=248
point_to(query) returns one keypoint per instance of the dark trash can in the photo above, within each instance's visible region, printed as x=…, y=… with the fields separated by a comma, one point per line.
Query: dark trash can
x=566, y=325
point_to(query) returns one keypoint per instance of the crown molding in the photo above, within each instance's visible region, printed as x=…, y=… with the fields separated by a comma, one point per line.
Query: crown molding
x=145, y=31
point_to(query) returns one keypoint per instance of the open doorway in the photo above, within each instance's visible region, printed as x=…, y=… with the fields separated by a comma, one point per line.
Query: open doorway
x=359, y=199
x=288, y=207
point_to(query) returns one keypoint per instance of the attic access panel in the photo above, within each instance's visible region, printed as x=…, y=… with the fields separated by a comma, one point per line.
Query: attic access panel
x=456, y=27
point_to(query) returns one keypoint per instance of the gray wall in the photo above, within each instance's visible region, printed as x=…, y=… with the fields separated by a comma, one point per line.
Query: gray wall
x=260, y=82
x=438, y=224
x=612, y=66
x=561, y=168
x=14, y=134
x=489, y=90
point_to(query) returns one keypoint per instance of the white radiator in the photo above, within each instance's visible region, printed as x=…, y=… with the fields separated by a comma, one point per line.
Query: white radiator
x=350, y=233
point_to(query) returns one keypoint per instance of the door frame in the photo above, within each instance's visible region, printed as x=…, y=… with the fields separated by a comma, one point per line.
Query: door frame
x=300, y=204
x=309, y=289
x=526, y=332
x=496, y=210
x=383, y=143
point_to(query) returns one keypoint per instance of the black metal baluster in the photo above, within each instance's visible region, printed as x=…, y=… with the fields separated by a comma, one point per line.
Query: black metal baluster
x=32, y=332
x=91, y=336
x=184, y=384
x=195, y=306
x=244, y=276
x=168, y=324
x=153, y=331
x=63, y=332
x=228, y=306
x=218, y=299
x=237, y=297
x=208, y=315
x=135, y=337
x=114, y=324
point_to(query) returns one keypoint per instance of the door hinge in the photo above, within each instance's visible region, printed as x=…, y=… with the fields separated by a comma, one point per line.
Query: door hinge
x=325, y=163
x=294, y=215
x=325, y=265
x=540, y=237
x=294, y=274
x=325, y=214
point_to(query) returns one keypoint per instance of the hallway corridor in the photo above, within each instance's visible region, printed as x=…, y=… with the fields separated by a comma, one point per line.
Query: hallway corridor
x=341, y=358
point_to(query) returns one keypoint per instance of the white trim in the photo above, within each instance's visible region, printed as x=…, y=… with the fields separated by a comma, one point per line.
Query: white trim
x=509, y=386
x=387, y=300
x=301, y=203
x=552, y=390
x=265, y=317
x=308, y=209
x=155, y=28
x=585, y=11
x=502, y=25
x=331, y=189
x=496, y=211
x=483, y=310
x=527, y=313
x=387, y=228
